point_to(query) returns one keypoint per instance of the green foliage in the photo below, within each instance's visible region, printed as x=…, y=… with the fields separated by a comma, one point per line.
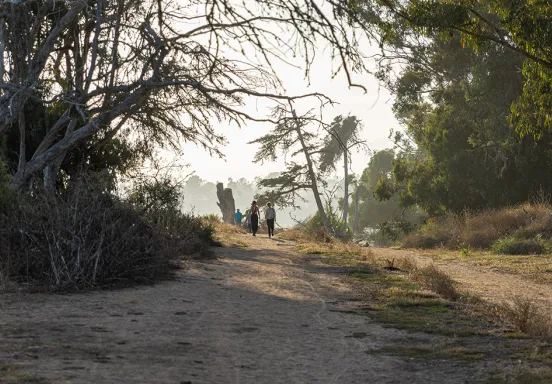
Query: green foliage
x=379, y=210
x=458, y=150
x=342, y=133
x=315, y=224
x=156, y=194
x=523, y=28
x=515, y=246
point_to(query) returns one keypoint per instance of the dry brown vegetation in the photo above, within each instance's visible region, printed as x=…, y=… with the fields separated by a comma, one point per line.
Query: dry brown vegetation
x=435, y=280
x=223, y=232
x=319, y=242
x=87, y=237
x=525, y=227
x=525, y=316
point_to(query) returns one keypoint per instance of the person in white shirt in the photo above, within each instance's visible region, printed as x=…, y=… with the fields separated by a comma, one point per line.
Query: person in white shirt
x=270, y=216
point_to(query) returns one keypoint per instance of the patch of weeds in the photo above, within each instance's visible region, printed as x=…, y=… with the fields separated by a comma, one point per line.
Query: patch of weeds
x=439, y=352
x=525, y=316
x=523, y=376
x=402, y=304
x=235, y=243
x=12, y=374
x=343, y=260
x=541, y=353
x=432, y=319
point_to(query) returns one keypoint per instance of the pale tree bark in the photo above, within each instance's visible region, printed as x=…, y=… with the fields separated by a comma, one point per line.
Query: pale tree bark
x=22, y=147
x=357, y=198
x=133, y=61
x=226, y=203
x=52, y=169
x=2, y=47
x=346, y=188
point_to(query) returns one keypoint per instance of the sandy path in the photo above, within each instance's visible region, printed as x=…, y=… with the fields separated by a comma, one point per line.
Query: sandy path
x=486, y=282
x=256, y=315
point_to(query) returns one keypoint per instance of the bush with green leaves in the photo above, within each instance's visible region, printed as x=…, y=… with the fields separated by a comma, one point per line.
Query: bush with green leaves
x=515, y=246
x=339, y=228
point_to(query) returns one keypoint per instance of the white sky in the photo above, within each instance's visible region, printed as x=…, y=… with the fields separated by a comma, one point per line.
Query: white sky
x=373, y=108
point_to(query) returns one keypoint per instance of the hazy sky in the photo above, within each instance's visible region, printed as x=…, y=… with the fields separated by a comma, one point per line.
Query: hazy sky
x=373, y=108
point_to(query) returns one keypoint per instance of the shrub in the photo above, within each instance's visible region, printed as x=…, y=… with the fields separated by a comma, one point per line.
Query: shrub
x=436, y=280
x=524, y=315
x=425, y=240
x=88, y=237
x=483, y=230
x=514, y=246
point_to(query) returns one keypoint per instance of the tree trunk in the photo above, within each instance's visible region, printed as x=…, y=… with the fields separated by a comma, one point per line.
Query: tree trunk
x=22, y=128
x=51, y=171
x=355, y=222
x=226, y=203
x=2, y=48
x=346, y=194
x=312, y=176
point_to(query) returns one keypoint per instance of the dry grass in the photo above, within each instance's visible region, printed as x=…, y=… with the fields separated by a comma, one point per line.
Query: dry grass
x=430, y=277
x=305, y=236
x=535, y=268
x=337, y=252
x=524, y=315
x=482, y=230
x=223, y=232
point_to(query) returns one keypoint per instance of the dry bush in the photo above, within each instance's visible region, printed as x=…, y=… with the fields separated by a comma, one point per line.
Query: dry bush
x=435, y=280
x=482, y=230
x=408, y=264
x=220, y=227
x=524, y=315
x=436, y=233
x=89, y=237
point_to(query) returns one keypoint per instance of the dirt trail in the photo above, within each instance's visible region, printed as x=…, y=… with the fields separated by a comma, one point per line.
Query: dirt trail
x=486, y=282
x=259, y=314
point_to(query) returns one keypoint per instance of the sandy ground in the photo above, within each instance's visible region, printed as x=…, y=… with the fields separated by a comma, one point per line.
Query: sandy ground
x=259, y=314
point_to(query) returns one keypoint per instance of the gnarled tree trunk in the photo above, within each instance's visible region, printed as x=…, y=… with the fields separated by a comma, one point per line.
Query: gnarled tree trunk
x=226, y=203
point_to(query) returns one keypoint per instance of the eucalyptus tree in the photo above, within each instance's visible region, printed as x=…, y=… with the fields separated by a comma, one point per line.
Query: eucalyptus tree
x=156, y=72
x=522, y=27
x=343, y=135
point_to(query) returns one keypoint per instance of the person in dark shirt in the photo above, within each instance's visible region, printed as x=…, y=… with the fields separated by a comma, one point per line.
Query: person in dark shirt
x=254, y=217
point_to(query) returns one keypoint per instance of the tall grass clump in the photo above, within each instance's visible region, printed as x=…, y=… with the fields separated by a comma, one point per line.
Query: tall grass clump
x=524, y=315
x=434, y=279
x=86, y=236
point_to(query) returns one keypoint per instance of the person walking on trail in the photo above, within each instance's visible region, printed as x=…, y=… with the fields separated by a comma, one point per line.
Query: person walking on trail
x=248, y=221
x=254, y=218
x=238, y=216
x=270, y=216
